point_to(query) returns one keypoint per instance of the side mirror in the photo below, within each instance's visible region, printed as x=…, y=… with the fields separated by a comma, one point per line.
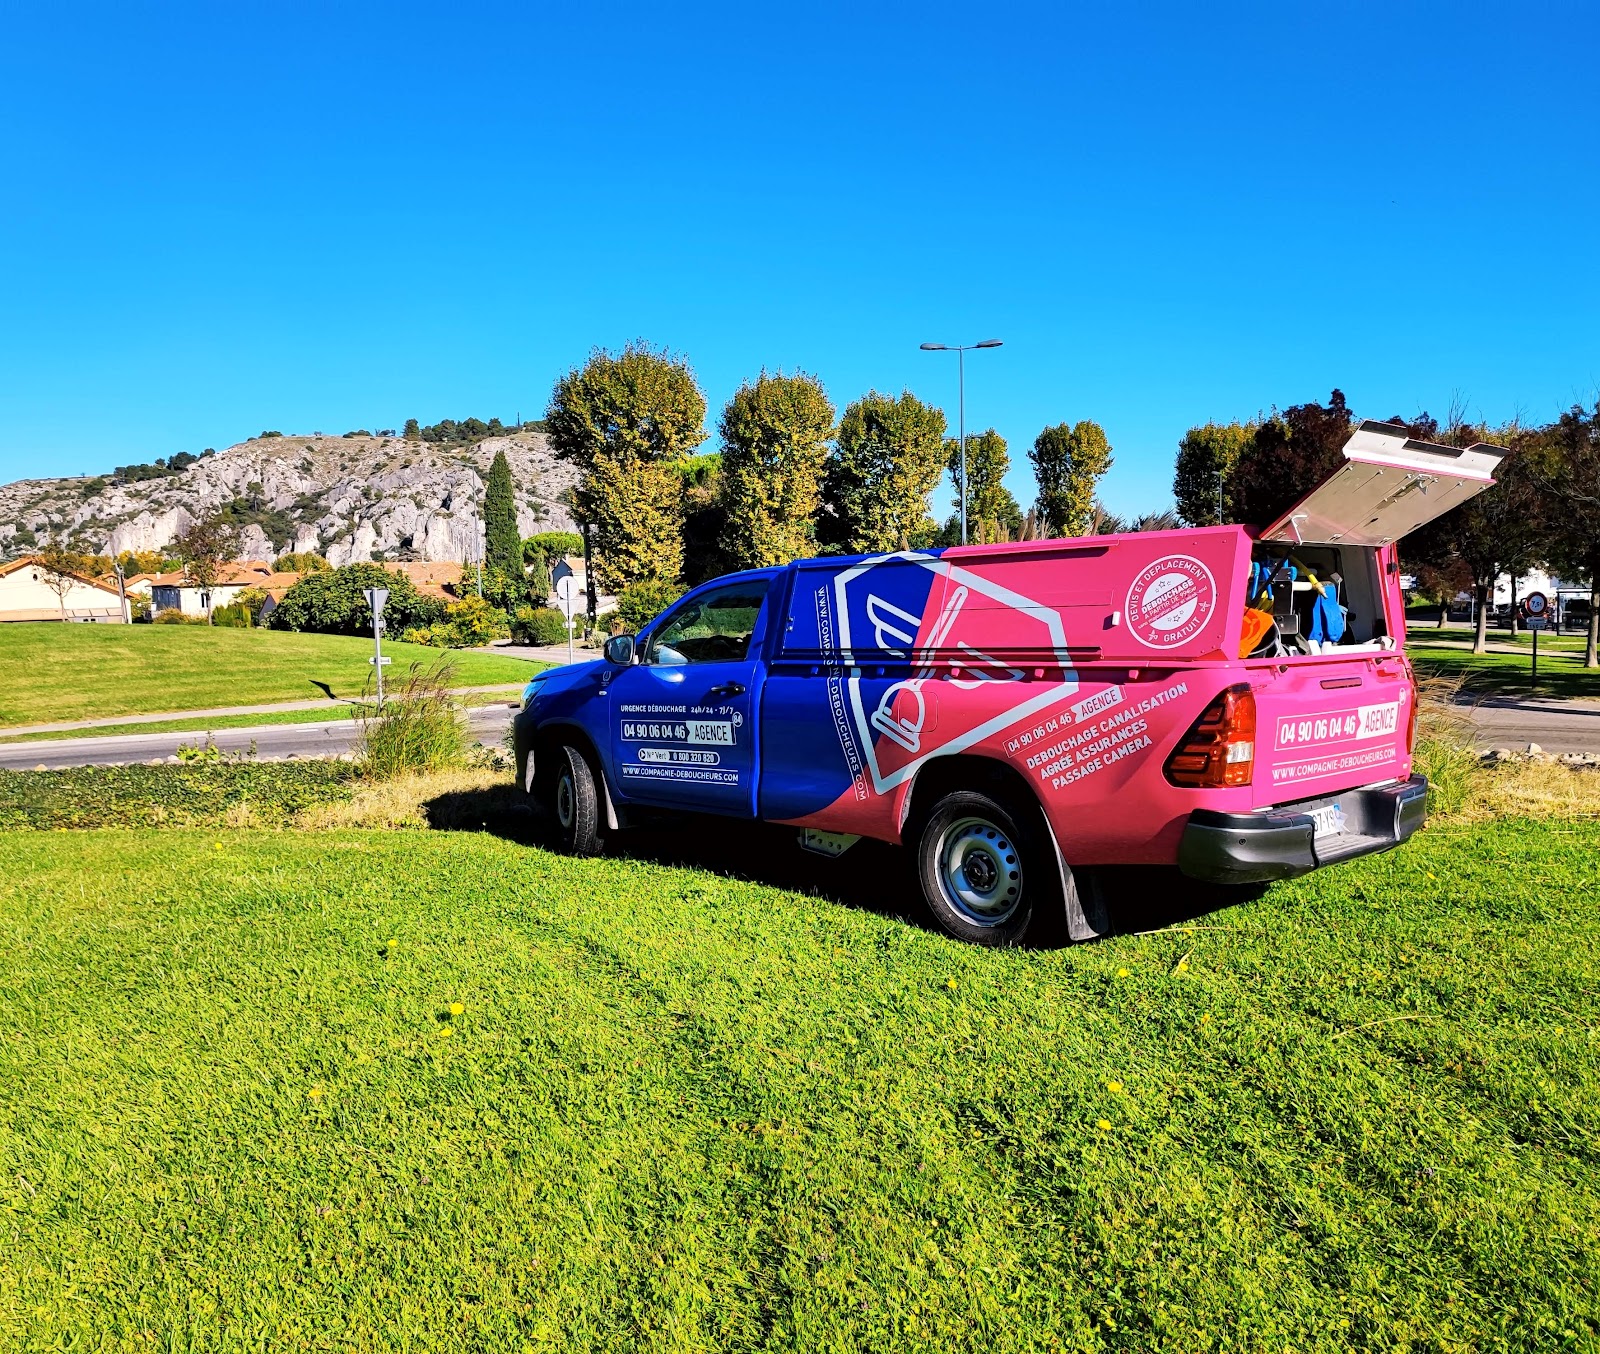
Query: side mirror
x=619, y=650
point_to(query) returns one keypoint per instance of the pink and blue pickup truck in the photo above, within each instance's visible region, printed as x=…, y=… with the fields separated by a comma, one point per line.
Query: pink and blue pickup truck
x=1236, y=703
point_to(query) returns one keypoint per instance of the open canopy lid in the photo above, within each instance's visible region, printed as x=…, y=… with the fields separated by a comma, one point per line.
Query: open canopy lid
x=1389, y=484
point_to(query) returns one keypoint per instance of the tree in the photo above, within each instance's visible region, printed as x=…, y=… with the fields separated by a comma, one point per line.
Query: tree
x=1495, y=532
x=203, y=549
x=302, y=562
x=61, y=570
x=1206, y=458
x=1067, y=464
x=992, y=512
x=623, y=419
x=1566, y=465
x=413, y=430
x=887, y=459
x=705, y=518
x=333, y=602
x=774, y=453
x=502, y=549
x=1286, y=458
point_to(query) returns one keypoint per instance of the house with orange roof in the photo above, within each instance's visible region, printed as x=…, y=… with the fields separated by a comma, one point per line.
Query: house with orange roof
x=432, y=578
x=31, y=592
x=172, y=591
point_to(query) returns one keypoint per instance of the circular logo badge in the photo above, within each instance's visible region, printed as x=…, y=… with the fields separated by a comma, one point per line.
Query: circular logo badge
x=1171, y=601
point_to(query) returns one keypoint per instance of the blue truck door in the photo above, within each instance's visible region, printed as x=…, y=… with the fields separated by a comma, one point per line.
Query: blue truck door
x=684, y=718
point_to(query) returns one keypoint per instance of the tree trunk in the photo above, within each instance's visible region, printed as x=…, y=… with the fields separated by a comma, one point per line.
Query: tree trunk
x=1591, y=653
x=1444, y=612
x=1480, y=641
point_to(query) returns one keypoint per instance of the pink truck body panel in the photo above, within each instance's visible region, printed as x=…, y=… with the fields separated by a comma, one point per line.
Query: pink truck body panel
x=1082, y=664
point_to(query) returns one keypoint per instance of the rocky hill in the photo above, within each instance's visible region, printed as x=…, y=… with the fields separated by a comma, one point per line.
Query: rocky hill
x=351, y=498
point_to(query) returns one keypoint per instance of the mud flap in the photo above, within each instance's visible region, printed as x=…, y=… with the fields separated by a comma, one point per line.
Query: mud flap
x=1085, y=907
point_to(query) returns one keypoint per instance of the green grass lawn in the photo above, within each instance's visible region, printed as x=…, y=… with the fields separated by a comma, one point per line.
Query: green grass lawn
x=60, y=672
x=1561, y=673
x=1523, y=639
x=684, y=1112
x=332, y=710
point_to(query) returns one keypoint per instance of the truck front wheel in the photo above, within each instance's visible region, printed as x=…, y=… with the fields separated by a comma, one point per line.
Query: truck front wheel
x=983, y=871
x=574, y=804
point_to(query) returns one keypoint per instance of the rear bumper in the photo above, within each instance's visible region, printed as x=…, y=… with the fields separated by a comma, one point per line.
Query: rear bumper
x=1253, y=848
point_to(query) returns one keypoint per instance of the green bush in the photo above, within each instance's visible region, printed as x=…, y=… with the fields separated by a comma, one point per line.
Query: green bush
x=419, y=727
x=639, y=603
x=172, y=616
x=470, y=623
x=331, y=602
x=551, y=546
x=195, y=795
x=539, y=625
x=305, y=562
x=236, y=616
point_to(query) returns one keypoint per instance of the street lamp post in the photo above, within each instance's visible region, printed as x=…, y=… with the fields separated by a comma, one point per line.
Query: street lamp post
x=960, y=350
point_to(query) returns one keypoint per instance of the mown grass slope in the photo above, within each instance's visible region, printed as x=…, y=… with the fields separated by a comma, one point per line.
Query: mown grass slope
x=60, y=672
x=682, y=1111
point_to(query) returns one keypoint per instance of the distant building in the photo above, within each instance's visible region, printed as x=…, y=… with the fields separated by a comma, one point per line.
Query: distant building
x=171, y=592
x=25, y=595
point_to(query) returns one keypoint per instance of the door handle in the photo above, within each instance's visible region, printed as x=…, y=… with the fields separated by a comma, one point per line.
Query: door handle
x=726, y=689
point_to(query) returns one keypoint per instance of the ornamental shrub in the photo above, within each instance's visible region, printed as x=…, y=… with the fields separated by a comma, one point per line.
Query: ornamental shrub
x=468, y=624
x=331, y=602
x=539, y=625
x=641, y=602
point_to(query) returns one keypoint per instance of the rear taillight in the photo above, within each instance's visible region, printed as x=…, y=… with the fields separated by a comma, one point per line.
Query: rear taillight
x=1220, y=748
x=1411, y=724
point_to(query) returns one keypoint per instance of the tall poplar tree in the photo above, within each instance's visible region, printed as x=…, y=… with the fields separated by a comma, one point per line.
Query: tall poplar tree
x=887, y=459
x=992, y=511
x=774, y=451
x=1067, y=464
x=626, y=419
x=1201, y=480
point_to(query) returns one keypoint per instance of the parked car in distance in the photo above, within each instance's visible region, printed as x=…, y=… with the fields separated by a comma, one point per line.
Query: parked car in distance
x=1236, y=703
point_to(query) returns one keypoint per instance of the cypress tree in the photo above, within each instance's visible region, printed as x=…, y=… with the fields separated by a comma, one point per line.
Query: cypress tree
x=502, y=552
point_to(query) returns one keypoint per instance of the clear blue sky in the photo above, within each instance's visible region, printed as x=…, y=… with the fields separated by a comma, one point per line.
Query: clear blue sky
x=226, y=218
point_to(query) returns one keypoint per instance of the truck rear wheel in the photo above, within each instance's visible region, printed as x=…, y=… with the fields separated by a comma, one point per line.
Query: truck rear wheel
x=984, y=872
x=574, y=804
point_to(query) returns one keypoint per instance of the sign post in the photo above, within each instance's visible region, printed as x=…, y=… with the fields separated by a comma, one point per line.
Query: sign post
x=1535, y=610
x=376, y=597
x=567, y=592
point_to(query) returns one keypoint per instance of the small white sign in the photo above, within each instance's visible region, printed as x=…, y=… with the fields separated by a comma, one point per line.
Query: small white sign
x=381, y=661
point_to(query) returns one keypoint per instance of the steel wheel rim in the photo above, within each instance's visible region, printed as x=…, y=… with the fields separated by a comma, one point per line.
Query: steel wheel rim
x=980, y=871
x=564, y=799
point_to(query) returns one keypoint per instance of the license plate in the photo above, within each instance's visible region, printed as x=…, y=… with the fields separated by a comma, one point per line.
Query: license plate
x=1329, y=821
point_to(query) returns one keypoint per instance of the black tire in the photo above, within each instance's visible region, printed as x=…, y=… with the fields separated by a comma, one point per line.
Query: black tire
x=986, y=873
x=574, y=806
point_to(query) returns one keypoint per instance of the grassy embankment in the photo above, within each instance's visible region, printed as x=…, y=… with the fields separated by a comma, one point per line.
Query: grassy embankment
x=683, y=1110
x=55, y=673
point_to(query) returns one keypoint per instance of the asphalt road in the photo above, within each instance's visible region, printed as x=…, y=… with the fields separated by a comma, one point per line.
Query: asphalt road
x=1556, y=726
x=488, y=724
x=1502, y=722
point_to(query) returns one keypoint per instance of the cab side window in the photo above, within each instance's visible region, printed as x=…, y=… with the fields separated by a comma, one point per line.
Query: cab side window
x=714, y=628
